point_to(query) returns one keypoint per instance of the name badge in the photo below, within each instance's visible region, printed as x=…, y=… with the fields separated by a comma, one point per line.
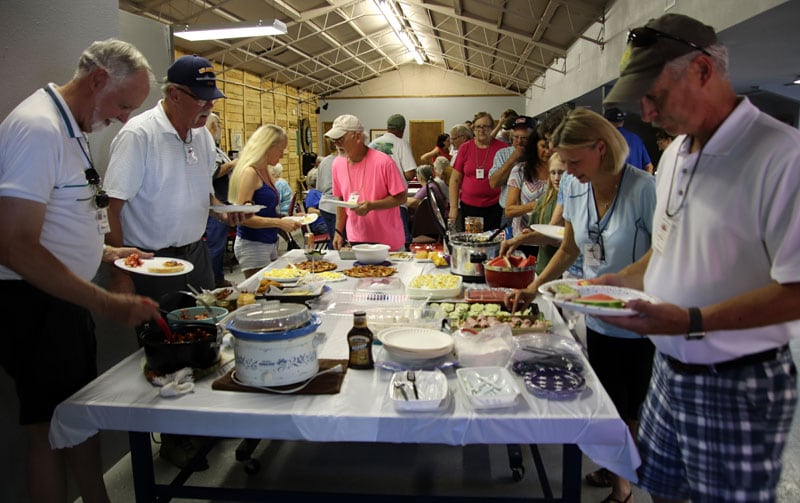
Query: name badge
x=593, y=254
x=661, y=233
x=353, y=197
x=101, y=217
x=480, y=173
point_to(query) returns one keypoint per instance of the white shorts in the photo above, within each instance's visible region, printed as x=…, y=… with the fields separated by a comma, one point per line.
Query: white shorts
x=254, y=254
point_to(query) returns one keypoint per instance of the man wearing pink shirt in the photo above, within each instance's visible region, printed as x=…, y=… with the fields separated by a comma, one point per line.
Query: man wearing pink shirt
x=370, y=180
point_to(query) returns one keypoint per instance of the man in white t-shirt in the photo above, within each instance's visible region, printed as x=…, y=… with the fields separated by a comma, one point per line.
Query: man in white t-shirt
x=392, y=144
x=724, y=262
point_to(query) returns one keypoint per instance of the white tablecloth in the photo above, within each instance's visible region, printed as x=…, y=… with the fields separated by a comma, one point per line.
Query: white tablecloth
x=121, y=399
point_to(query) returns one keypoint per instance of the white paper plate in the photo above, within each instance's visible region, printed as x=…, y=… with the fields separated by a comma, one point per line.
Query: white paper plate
x=551, y=231
x=238, y=208
x=306, y=219
x=416, y=341
x=623, y=294
x=154, y=262
x=431, y=388
x=488, y=387
x=343, y=204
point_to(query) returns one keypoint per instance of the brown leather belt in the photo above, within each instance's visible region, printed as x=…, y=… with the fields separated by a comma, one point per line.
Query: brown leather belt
x=715, y=368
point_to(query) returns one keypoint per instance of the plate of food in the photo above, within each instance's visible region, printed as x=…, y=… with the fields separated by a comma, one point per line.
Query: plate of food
x=308, y=218
x=238, y=208
x=551, y=231
x=315, y=265
x=399, y=256
x=156, y=266
x=596, y=300
x=330, y=276
x=342, y=204
x=285, y=275
x=370, y=271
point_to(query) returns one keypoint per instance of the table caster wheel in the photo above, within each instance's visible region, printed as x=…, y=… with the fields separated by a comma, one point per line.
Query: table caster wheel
x=252, y=466
x=517, y=473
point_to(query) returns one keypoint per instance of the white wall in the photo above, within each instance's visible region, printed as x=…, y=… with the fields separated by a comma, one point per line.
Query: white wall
x=589, y=66
x=373, y=112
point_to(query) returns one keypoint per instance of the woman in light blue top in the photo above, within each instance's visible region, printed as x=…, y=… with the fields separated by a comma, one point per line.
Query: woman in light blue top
x=608, y=214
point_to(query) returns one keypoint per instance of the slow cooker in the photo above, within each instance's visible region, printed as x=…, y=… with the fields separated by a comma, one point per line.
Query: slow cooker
x=469, y=251
x=274, y=344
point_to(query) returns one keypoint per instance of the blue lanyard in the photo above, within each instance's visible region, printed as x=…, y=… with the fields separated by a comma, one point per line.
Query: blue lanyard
x=67, y=123
x=607, y=217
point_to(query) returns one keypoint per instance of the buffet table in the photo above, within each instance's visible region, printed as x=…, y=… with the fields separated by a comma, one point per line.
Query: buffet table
x=122, y=399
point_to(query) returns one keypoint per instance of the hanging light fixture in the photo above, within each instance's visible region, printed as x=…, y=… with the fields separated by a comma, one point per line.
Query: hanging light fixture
x=243, y=29
x=403, y=33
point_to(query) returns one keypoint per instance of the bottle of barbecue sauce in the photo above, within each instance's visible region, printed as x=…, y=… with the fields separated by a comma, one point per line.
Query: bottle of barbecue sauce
x=359, y=339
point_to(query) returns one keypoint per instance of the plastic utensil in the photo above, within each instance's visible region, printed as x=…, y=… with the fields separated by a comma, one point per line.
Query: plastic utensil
x=412, y=378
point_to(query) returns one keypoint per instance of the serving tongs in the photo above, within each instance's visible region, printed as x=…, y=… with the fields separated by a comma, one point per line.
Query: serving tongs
x=197, y=295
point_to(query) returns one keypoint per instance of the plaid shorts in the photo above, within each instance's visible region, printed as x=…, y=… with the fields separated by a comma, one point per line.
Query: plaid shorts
x=717, y=437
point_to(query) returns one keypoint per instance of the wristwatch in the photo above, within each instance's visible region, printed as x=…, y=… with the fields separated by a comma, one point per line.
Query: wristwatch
x=696, y=331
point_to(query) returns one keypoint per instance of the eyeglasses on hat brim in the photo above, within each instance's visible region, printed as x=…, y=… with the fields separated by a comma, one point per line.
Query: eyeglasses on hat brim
x=645, y=36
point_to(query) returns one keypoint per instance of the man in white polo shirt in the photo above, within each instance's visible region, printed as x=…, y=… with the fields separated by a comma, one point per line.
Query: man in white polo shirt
x=724, y=261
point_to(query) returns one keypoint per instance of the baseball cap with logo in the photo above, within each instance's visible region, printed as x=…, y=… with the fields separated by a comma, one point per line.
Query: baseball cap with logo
x=614, y=114
x=651, y=47
x=197, y=74
x=342, y=125
x=524, y=122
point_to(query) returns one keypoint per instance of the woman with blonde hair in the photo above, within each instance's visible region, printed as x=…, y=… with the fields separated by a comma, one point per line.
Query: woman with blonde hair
x=251, y=183
x=608, y=216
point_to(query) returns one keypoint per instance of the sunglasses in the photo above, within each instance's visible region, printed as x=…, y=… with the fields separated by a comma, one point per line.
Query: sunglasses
x=200, y=103
x=100, y=196
x=646, y=36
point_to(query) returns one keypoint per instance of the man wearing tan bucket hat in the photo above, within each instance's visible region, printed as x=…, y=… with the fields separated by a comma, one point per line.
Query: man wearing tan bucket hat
x=724, y=262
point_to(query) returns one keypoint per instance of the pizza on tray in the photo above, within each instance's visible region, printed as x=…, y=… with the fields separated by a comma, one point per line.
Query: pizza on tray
x=316, y=265
x=370, y=271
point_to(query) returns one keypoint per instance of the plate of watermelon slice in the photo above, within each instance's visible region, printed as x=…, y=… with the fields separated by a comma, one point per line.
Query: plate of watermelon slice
x=596, y=300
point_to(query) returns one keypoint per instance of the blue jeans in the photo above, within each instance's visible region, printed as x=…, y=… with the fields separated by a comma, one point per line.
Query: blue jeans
x=217, y=239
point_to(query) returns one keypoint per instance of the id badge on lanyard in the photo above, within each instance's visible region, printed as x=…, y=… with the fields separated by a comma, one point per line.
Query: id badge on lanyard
x=101, y=217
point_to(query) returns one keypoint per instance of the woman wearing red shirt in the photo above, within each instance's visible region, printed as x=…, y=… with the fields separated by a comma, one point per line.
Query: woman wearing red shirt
x=469, y=182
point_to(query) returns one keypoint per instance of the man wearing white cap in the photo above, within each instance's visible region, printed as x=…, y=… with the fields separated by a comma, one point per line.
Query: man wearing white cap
x=724, y=263
x=370, y=181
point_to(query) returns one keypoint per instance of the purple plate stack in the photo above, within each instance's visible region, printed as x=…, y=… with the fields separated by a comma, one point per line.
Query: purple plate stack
x=555, y=383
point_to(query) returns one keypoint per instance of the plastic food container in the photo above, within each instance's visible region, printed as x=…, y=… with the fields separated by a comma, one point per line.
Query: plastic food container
x=432, y=391
x=197, y=315
x=488, y=387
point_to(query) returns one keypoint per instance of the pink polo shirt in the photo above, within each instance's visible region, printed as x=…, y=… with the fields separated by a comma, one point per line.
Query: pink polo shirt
x=374, y=177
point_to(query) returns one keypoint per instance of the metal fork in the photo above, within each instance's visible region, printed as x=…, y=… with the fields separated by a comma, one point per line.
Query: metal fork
x=412, y=378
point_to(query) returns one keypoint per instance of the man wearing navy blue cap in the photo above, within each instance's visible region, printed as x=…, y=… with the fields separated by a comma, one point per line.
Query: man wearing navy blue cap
x=159, y=180
x=638, y=156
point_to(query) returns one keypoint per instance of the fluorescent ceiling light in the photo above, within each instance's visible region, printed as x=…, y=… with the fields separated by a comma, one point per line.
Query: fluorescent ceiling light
x=244, y=29
x=796, y=81
x=403, y=33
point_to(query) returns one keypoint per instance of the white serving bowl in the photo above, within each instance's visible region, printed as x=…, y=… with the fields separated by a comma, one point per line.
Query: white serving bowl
x=371, y=253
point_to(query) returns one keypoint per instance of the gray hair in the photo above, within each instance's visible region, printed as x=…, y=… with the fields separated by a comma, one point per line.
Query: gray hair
x=440, y=164
x=311, y=177
x=425, y=173
x=461, y=129
x=213, y=119
x=719, y=58
x=275, y=171
x=120, y=59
